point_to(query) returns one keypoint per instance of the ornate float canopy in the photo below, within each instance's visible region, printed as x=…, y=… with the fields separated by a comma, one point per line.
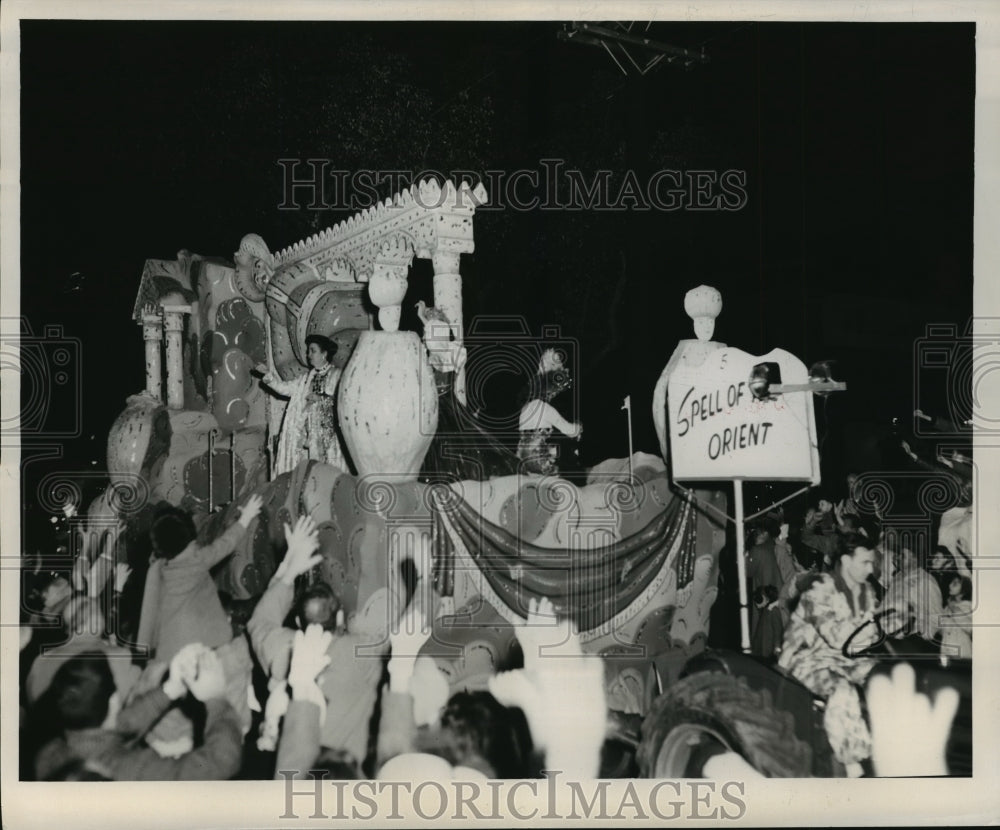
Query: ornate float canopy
x=425, y=220
x=306, y=285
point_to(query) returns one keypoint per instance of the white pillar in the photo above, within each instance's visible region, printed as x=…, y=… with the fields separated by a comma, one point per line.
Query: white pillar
x=152, y=334
x=173, y=322
x=448, y=299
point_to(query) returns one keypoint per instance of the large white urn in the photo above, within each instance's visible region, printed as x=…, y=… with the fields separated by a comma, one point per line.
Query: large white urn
x=388, y=405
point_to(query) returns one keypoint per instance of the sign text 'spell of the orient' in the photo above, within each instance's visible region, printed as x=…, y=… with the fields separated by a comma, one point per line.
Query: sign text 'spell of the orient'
x=693, y=410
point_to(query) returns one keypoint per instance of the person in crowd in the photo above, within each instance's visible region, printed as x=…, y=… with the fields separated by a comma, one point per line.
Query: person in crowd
x=42, y=620
x=828, y=613
x=956, y=619
x=943, y=568
x=93, y=730
x=309, y=428
x=849, y=523
x=86, y=626
x=539, y=449
x=819, y=531
x=180, y=602
x=769, y=627
x=762, y=567
x=55, y=592
x=472, y=736
x=349, y=683
x=181, y=605
x=299, y=752
x=423, y=733
x=848, y=506
x=788, y=565
x=555, y=671
x=956, y=528
x=910, y=590
x=318, y=605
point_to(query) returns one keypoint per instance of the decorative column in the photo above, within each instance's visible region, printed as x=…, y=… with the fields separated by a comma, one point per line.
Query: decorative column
x=448, y=299
x=152, y=334
x=173, y=322
x=388, y=410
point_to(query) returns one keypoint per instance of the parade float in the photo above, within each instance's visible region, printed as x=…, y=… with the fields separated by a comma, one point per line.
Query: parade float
x=631, y=554
x=633, y=561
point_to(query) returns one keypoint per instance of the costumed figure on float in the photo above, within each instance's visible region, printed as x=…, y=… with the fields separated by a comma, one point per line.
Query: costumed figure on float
x=309, y=428
x=543, y=447
x=462, y=449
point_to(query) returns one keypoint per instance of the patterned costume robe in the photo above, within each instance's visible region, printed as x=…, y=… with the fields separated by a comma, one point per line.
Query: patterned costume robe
x=812, y=653
x=308, y=430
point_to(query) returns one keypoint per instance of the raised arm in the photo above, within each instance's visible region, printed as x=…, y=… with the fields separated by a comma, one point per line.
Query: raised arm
x=269, y=639
x=397, y=727
x=538, y=414
x=221, y=754
x=561, y=691
x=210, y=555
x=299, y=746
x=285, y=388
x=144, y=710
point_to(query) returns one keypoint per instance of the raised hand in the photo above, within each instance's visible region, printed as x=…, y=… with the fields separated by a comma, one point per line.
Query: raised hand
x=303, y=540
x=406, y=639
x=560, y=689
x=309, y=655
x=251, y=509
x=183, y=668
x=274, y=711
x=309, y=658
x=412, y=630
x=58, y=590
x=897, y=713
x=210, y=680
x=122, y=573
x=79, y=574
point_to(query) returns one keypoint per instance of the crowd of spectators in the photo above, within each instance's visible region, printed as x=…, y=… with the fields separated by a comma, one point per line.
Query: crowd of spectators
x=292, y=687
x=185, y=702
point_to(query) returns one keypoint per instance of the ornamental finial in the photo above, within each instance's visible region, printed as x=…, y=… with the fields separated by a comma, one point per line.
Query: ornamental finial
x=703, y=305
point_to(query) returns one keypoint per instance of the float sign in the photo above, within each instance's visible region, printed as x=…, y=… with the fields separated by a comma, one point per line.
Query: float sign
x=720, y=430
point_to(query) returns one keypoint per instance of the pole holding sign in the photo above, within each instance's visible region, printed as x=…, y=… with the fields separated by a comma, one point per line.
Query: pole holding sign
x=741, y=567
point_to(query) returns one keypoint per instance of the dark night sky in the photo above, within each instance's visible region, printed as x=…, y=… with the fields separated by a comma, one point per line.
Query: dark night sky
x=142, y=138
